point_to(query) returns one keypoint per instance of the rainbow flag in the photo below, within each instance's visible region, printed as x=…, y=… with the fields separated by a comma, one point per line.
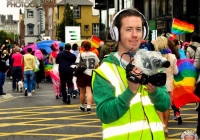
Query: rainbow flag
x=171, y=36
x=181, y=27
x=184, y=83
x=94, y=40
x=47, y=67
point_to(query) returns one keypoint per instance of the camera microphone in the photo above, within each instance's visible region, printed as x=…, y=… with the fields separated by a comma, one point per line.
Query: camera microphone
x=166, y=64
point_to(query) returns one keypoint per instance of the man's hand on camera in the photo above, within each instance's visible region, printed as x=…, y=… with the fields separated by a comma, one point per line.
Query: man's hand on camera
x=134, y=86
x=150, y=88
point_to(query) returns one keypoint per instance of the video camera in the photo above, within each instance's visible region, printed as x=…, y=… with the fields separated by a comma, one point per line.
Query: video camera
x=149, y=62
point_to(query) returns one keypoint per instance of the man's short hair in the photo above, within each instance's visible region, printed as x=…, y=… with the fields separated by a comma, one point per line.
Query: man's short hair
x=29, y=50
x=195, y=38
x=68, y=46
x=126, y=13
x=61, y=48
x=74, y=46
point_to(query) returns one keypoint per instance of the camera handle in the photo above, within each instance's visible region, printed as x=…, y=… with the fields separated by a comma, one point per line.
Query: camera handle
x=129, y=76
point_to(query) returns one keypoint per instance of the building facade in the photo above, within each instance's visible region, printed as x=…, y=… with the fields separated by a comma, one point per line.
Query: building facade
x=31, y=25
x=162, y=12
x=82, y=10
x=8, y=24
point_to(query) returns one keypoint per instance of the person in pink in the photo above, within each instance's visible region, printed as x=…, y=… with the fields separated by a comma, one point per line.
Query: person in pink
x=54, y=73
x=17, y=59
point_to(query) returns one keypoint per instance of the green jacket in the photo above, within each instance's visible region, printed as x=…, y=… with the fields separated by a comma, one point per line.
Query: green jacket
x=112, y=109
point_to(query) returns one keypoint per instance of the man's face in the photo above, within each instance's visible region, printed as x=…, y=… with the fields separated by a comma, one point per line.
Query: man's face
x=130, y=33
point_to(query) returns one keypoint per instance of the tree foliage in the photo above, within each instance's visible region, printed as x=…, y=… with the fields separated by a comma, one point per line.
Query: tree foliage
x=68, y=20
x=5, y=36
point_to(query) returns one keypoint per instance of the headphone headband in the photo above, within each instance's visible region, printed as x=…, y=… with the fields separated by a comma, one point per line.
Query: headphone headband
x=114, y=31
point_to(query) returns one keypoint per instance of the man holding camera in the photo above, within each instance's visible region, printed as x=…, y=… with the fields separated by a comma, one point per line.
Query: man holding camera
x=127, y=109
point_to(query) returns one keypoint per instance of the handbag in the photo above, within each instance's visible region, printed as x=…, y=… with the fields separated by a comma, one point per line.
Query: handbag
x=81, y=67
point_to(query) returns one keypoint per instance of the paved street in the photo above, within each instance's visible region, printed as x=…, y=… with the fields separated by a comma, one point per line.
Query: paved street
x=42, y=117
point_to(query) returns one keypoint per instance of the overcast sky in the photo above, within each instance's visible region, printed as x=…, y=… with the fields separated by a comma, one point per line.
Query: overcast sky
x=9, y=10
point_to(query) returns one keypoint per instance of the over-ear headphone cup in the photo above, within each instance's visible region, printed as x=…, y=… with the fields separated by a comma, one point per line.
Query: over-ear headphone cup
x=116, y=33
x=144, y=33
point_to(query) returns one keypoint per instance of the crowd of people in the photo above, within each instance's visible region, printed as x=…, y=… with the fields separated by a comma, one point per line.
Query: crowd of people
x=29, y=68
x=128, y=110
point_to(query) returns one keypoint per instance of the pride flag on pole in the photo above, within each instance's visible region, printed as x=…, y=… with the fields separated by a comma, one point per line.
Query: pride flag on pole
x=184, y=83
x=181, y=27
x=94, y=40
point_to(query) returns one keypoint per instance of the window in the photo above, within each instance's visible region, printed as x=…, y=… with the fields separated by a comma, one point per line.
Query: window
x=30, y=30
x=95, y=29
x=77, y=11
x=86, y=27
x=29, y=14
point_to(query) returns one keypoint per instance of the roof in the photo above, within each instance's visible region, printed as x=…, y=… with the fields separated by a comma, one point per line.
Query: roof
x=75, y=2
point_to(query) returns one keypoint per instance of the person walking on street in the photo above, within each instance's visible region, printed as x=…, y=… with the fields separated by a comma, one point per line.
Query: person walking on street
x=84, y=80
x=3, y=58
x=17, y=59
x=54, y=71
x=126, y=109
x=29, y=67
x=65, y=59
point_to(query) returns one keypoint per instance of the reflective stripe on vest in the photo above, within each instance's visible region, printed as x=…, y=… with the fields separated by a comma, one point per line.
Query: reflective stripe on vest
x=127, y=127
x=131, y=127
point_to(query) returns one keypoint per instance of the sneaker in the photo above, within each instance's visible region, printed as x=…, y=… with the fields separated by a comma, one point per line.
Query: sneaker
x=180, y=120
x=82, y=108
x=33, y=91
x=13, y=89
x=25, y=92
x=74, y=96
x=29, y=94
x=3, y=94
x=88, y=110
x=57, y=97
x=68, y=98
x=174, y=118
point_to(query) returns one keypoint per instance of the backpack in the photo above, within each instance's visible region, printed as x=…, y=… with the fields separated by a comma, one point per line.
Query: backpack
x=194, y=49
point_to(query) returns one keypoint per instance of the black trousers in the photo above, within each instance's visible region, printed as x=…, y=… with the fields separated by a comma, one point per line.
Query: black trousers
x=66, y=79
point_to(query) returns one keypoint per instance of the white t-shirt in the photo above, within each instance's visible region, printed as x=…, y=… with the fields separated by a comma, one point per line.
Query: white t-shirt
x=90, y=59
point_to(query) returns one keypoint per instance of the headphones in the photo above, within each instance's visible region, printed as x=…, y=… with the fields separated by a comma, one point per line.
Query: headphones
x=114, y=31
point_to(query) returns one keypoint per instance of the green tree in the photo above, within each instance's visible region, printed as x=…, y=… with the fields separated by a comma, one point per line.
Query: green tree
x=68, y=20
x=3, y=36
x=13, y=36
